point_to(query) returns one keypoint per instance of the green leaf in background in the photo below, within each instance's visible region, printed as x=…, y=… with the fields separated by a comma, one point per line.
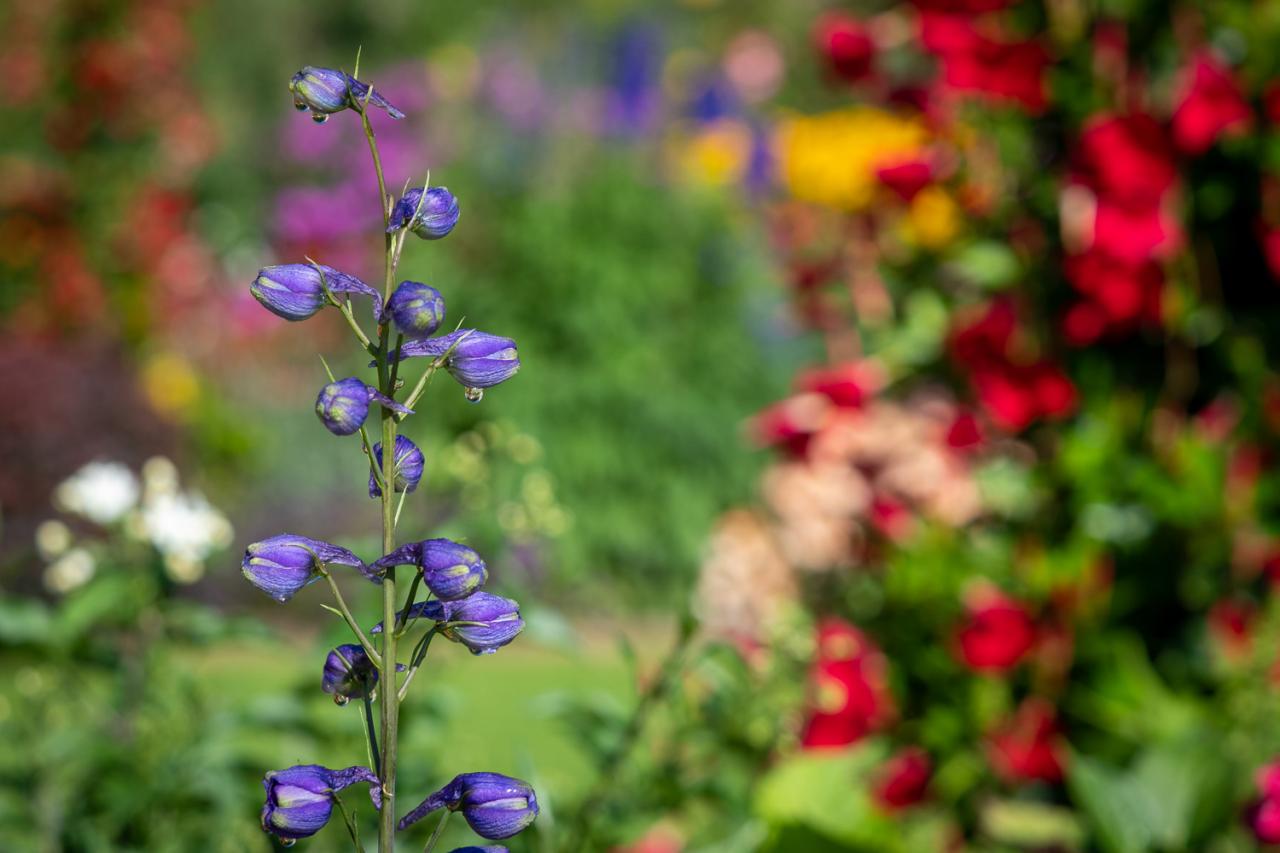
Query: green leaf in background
x=1026, y=824
x=986, y=264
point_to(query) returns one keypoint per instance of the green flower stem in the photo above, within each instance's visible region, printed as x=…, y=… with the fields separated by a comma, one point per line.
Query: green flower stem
x=416, y=663
x=371, y=736
x=408, y=603
x=345, y=613
x=435, y=836
x=353, y=829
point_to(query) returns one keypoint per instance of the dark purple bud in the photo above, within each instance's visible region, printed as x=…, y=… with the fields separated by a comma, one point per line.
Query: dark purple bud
x=451, y=571
x=496, y=806
x=296, y=291
x=284, y=564
x=300, y=799
x=481, y=360
x=348, y=674
x=417, y=309
x=409, y=464
x=326, y=90
x=482, y=622
x=342, y=406
x=488, y=848
x=430, y=215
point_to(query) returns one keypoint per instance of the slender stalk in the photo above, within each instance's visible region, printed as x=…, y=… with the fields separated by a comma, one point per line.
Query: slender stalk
x=353, y=828
x=435, y=836
x=371, y=737
x=345, y=612
x=416, y=663
x=408, y=602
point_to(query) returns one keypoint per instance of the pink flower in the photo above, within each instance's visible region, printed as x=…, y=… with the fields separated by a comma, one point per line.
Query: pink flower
x=845, y=46
x=1210, y=105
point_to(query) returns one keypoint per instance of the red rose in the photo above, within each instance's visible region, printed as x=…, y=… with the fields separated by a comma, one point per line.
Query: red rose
x=903, y=779
x=850, y=688
x=1027, y=748
x=1210, y=105
x=998, y=633
x=845, y=46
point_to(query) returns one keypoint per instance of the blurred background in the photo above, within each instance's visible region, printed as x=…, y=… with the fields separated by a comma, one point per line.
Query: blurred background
x=889, y=469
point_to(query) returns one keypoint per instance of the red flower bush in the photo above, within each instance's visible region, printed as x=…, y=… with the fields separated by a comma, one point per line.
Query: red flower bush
x=851, y=695
x=1027, y=748
x=997, y=634
x=1211, y=104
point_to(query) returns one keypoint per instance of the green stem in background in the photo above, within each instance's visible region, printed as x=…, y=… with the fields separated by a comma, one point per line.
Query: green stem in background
x=592, y=805
x=408, y=602
x=420, y=654
x=353, y=829
x=371, y=736
x=435, y=836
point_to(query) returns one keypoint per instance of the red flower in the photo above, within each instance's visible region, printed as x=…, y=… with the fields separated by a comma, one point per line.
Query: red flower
x=903, y=779
x=847, y=385
x=1027, y=748
x=906, y=178
x=1015, y=397
x=986, y=338
x=845, y=46
x=1263, y=816
x=1230, y=624
x=791, y=423
x=997, y=635
x=964, y=432
x=1122, y=290
x=962, y=7
x=1211, y=104
x=850, y=688
x=974, y=62
x=1126, y=159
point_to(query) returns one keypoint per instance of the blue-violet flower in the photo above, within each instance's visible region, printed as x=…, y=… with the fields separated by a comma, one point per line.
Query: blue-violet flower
x=496, y=806
x=417, y=309
x=327, y=90
x=342, y=406
x=296, y=291
x=482, y=622
x=300, y=799
x=284, y=564
x=450, y=570
x=409, y=463
x=430, y=215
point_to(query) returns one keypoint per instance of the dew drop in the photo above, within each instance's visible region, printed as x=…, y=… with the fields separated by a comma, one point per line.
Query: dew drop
x=299, y=106
x=473, y=395
x=287, y=842
x=340, y=700
x=319, y=118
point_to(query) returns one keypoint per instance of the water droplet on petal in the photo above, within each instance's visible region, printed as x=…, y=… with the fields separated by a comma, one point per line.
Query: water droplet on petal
x=473, y=395
x=287, y=842
x=319, y=118
x=340, y=700
x=299, y=106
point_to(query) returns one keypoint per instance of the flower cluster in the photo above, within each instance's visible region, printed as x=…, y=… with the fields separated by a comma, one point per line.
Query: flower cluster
x=300, y=799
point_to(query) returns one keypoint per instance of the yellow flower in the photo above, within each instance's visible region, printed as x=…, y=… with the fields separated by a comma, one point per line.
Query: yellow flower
x=717, y=154
x=933, y=220
x=831, y=158
x=171, y=384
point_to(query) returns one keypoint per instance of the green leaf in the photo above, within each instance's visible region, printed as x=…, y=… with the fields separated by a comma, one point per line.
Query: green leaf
x=826, y=792
x=987, y=264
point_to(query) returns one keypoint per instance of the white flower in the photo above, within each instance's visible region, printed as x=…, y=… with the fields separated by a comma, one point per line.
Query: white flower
x=184, y=526
x=100, y=491
x=73, y=569
x=53, y=538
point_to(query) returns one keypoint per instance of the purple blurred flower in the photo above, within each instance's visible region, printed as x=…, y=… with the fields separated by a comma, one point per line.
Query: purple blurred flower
x=300, y=799
x=496, y=806
x=342, y=406
x=482, y=622
x=408, y=467
x=417, y=309
x=284, y=564
x=430, y=216
x=296, y=291
x=450, y=570
x=326, y=90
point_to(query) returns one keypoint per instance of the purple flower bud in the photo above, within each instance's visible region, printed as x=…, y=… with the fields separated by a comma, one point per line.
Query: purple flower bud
x=496, y=806
x=284, y=564
x=450, y=570
x=409, y=464
x=430, y=217
x=326, y=90
x=343, y=405
x=476, y=359
x=488, y=848
x=296, y=291
x=300, y=799
x=348, y=673
x=482, y=622
x=416, y=308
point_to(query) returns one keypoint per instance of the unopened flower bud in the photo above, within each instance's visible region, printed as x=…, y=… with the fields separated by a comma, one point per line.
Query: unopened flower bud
x=409, y=463
x=342, y=406
x=450, y=570
x=348, y=673
x=496, y=806
x=300, y=798
x=296, y=291
x=417, y=309
x=284, y=564
x=430, y=214
x=476, y=359
x=482, y=622
x=325, y=91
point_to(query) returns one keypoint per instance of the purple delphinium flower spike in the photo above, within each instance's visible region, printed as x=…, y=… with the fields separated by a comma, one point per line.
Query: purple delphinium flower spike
x=450, y=570
x=342, y=406
x=431, y=215
x=417, y=309
x=325, y=91
x=296, y=291
x=482, y=622
x=284, y=564
x=476, y=359
x=496, y=806
x=409, y=463
x=300, y=798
